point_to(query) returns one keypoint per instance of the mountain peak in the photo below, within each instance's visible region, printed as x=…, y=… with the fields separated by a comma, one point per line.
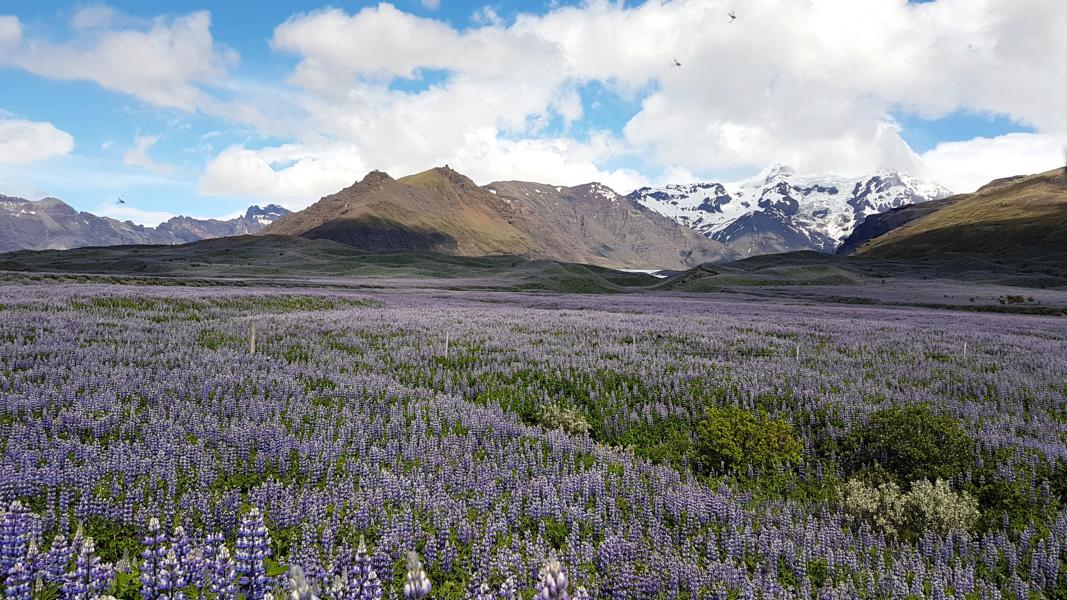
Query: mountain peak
x=438, y=177
x=775, y=171
x=376, y=177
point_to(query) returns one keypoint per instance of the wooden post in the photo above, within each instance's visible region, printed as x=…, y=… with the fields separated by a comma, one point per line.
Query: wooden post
x=447, y=339
x=252, y=339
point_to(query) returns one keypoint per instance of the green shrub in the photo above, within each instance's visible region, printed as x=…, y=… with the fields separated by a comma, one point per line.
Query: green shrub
x=736, y=438
x=910, y=443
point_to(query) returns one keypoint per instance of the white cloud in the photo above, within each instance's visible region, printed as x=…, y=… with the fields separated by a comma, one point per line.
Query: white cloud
x=23, y=142
x=814, y=85
x=138, y=155
x=966, y=166
x=163, y=64
x=292, y=175
x=486, y=15
x=125, y=212
x=10, y=31
x=559, y=161
x=93, y=16
x=431, y=4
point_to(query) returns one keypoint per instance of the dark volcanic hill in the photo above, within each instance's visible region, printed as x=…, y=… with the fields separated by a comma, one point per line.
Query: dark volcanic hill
x=441, y=210
x=882, y=223
x=51, y=224
x=1020, y=218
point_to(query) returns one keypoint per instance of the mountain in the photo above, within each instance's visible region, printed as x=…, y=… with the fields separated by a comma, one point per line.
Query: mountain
x=440, y=210
x=1022, y=218
x=882, y=223
x=780, y=211
x=51, y=224
x=188, y=229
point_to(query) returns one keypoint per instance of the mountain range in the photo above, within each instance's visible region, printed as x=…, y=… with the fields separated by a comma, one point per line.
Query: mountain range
x=443, y=211
x=51, y=224
x=439, y=224
x=780, y=211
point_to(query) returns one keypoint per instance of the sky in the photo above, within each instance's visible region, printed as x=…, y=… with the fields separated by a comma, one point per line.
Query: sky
x=203, y=108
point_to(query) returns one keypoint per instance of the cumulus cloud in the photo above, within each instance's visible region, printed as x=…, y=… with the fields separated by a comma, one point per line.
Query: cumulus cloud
x=292, y=175
x=10, y=31
x=965, y=166
x=23, y=142
x=124, y=212
x=138, y=155
x=809, y=84
x=164, y=64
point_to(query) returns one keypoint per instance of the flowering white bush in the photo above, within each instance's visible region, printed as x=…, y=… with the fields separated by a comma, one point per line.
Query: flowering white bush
x=927, y=506
x=935, y=506
x=567, y=419
x=881, y=507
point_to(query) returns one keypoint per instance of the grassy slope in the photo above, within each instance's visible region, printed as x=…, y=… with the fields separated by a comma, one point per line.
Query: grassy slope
x=1019, y=218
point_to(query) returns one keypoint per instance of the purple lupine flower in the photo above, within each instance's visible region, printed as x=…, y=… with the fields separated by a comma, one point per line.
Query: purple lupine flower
x=223, y=575
x=299, y=589
x=17, y=585
x=553, y=585
x=90, y=577
x=14, y=535
x=169, y=578
x=253, y=548
x=508, y=589
x=152, y=556
x=484, y=592
x=189, y=558
x=54, y=563
x=363, y=582
x=416, y=583
x=582, y=594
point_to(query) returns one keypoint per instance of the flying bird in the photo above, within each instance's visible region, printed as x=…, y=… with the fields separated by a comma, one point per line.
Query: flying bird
x=676, y=63
x=120, y=201
x=732, y=16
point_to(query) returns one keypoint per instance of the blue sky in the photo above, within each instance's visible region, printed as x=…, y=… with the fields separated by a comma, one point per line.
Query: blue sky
x=206, y=108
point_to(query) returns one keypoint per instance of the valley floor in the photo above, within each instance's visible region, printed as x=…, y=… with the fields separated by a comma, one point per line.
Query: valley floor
x=663, y=445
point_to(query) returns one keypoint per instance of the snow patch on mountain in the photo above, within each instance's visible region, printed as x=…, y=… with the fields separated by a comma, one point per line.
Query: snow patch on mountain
x=814, y=212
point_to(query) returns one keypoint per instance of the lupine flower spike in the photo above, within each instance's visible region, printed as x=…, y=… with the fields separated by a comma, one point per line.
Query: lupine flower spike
x=553, y=584
x=416, y=584
x=299, y=589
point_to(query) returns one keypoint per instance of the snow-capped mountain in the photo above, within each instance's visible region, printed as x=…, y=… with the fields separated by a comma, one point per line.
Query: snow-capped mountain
x=780, y=211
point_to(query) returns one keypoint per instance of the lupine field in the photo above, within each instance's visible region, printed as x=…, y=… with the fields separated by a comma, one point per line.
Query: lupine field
x=505, y=445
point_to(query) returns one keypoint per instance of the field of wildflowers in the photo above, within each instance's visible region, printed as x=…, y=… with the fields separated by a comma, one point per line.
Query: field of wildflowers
x=499, y=445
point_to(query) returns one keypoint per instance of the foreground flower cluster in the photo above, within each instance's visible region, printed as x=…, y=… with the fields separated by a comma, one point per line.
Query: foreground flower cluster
x=146, y=452
x=174, y=567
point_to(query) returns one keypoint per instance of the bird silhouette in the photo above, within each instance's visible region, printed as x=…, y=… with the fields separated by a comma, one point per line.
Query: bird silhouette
x=733, y=17
x=120, y=201
x=676, y=63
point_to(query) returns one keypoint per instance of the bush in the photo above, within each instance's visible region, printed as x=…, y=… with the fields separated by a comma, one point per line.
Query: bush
x=558, y=417
x=734, y=438
x=927, y=507
x=880, y=506
x=910, y=443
